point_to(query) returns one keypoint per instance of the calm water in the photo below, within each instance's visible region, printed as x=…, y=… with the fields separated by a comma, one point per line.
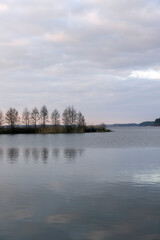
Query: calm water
x=81, y=187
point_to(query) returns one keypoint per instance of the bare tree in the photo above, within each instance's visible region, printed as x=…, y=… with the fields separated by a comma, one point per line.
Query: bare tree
x=35, y=116
x=12, y=117
x=55, y=117
x=1, y=118
x=69, y=116
x=73, y=115
x=44, y=115
x=80, y=120
x=26, y=117
x=66, y=117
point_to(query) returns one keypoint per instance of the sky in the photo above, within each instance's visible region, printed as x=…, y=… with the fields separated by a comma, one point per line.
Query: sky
x=101, y=56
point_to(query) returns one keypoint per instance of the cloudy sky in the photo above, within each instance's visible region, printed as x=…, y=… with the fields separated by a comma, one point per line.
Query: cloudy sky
x=102, y=56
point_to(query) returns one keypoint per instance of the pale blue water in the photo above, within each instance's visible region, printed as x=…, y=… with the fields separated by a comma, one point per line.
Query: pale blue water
x=95, y=186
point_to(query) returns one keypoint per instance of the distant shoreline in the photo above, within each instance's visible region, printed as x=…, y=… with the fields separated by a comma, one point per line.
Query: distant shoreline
x=53, y=130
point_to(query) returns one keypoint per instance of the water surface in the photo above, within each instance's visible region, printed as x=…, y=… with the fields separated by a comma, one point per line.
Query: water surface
x=93, y=186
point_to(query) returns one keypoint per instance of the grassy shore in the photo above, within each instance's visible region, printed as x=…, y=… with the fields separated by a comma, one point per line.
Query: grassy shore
x=52, y=130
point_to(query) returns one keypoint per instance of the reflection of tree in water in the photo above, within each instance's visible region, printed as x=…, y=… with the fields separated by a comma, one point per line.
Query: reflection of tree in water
x=80, y=152
x=35, y=154
x=72, y=154
x=41, y=153
x=1, y=153
x=56, y=152
x=44, y=154
x=26, y=153
x=13, y=154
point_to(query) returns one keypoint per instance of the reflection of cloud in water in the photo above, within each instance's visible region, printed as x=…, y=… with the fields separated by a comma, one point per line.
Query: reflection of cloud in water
x=61, y=218
x=119, y=230
x=15, y=215
x=72, y=153
x=152, y=177
x=13, y=154
x=114, y=212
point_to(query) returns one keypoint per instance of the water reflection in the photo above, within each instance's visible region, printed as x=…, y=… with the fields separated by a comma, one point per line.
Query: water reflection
x=72, y=153
x=106, y=194
x=35, y=154
x=1, y=153
x=44, y=154
x=56, y=153
x=118, y=212
x=26, y=154
x=40, y=154
x=13, y=154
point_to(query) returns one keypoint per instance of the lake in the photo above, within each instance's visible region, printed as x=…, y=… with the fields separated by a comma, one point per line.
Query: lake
x=96, y=186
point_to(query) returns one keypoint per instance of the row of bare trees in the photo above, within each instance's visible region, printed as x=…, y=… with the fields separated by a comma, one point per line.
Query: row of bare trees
x=70, y=117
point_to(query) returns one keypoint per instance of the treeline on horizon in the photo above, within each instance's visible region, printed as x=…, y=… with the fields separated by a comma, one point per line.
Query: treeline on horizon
x=39, y=121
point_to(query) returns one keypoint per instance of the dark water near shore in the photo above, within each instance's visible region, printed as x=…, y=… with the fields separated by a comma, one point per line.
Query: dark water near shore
x=95, y=186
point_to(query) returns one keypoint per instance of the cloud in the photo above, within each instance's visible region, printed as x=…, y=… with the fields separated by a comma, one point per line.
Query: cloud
x=81, y=51
x=3, y=7
x=15, y=43
x=148, y=74
x=58, y=37
x=92, y=18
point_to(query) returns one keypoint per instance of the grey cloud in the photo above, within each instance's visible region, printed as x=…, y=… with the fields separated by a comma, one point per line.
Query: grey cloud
x=81, y=52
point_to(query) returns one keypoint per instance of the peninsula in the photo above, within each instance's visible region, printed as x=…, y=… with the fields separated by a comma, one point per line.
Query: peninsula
x=40, y=122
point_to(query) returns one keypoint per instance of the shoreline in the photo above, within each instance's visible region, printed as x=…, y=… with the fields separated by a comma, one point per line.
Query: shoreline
x=53, y=130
